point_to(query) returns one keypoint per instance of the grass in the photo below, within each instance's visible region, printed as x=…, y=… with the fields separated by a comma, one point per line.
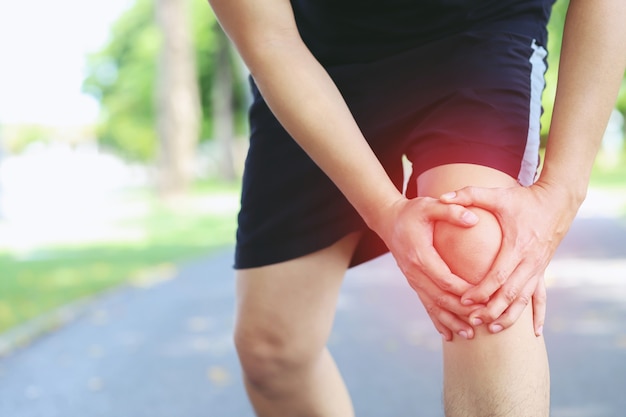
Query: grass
x=44, y=278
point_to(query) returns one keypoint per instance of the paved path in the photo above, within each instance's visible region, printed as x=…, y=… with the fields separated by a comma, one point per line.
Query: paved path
x=163, y=349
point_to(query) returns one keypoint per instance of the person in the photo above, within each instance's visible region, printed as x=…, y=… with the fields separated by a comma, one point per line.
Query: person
x=342, y=90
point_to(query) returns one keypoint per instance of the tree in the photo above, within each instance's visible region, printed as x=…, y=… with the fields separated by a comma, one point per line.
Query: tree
x=555, y=37
x=123, y=76
x=178, y=101
x=223, y=114
x=225, y=90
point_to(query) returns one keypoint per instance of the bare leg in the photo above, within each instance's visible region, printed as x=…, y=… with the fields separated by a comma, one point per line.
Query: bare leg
x=285, y=314
x=493, y=375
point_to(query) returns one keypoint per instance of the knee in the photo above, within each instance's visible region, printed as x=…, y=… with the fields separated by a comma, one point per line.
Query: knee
x=469, y=252
x=269, y=357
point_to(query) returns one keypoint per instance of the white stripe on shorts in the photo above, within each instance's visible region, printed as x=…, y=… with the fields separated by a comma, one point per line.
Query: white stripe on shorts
x=528, y=169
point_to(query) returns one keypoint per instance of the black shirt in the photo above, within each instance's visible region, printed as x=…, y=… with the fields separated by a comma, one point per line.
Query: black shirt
x=351, y=31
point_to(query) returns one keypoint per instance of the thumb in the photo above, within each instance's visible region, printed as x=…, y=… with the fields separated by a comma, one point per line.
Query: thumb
x=452, y=213
x=486, y=198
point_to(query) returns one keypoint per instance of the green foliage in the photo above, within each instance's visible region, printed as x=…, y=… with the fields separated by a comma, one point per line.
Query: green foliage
x=205, y=30
x=555, y=37
x=122, y=77
x=621, y=99
x=50, y=277
x=18, y=139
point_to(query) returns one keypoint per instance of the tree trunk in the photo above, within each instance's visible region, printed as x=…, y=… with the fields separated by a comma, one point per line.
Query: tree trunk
x=223, y=114
x=178, y=102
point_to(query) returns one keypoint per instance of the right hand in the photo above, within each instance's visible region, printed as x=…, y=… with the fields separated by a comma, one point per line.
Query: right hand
x=407, y=230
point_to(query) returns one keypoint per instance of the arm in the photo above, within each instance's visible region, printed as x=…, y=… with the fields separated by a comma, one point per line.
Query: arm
x=593, y=61
x=301, y=94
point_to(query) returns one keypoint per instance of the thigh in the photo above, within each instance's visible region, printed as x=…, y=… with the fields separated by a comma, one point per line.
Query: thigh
x=291, y=305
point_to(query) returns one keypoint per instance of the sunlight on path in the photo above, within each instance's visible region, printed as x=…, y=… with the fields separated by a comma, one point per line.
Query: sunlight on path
x=59, y=195
x=62, y=195
x=566, y=272
x=604, y=203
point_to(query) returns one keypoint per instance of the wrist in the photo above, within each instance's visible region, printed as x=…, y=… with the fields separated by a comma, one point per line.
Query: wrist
x=572, y=193
x=379, y=214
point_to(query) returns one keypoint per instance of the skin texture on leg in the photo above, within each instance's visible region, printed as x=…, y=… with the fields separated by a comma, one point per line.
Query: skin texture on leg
x=500, y=375
x=284, y=317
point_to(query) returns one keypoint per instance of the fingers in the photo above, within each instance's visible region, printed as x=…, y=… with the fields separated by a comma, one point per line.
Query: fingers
x=539, y=307
x=450, y=324
x=509, y=304
x=528, y=242
x=446, y=322
x=410, y=239
x=517, y=289
x=487, y=198
x=425, y=257
x=429, y=262
x=503, y=267
x=451, y=213
x=445, y=310
x=515, y=310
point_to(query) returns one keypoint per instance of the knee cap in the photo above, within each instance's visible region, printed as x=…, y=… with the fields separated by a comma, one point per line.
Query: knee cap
x=469, y=252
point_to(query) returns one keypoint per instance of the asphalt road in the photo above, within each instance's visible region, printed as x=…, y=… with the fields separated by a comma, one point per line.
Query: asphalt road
x=163, y=348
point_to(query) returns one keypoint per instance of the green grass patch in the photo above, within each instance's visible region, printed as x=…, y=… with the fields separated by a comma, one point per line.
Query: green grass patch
x=48, y=277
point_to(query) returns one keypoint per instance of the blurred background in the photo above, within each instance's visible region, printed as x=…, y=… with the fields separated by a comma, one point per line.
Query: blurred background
x=122, y=136
x=122, y=140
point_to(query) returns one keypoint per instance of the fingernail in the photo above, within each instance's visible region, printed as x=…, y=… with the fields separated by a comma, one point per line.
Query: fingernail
x=539, y=331
x=467, y=302
x=496, y=328
x=469, y=217
x=448, y=196
x=463, y=334
x=476, y=321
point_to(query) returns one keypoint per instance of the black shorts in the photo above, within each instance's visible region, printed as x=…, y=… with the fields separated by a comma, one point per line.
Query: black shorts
x=472, y=98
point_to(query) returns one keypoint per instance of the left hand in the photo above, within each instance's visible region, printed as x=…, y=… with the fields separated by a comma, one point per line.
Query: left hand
x=406, y=227
x=533, y=220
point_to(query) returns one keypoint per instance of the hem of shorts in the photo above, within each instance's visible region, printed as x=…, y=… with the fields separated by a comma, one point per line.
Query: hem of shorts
x=370, y=246
x=481, y=155
x=305, y=245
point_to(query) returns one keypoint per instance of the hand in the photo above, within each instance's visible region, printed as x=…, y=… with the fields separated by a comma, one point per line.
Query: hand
x=534, y=220
x=407, y=229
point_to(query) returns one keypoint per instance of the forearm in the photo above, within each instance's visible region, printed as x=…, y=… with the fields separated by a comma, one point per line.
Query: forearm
x=306, y=101
x=592, y=66
x=310, y=107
